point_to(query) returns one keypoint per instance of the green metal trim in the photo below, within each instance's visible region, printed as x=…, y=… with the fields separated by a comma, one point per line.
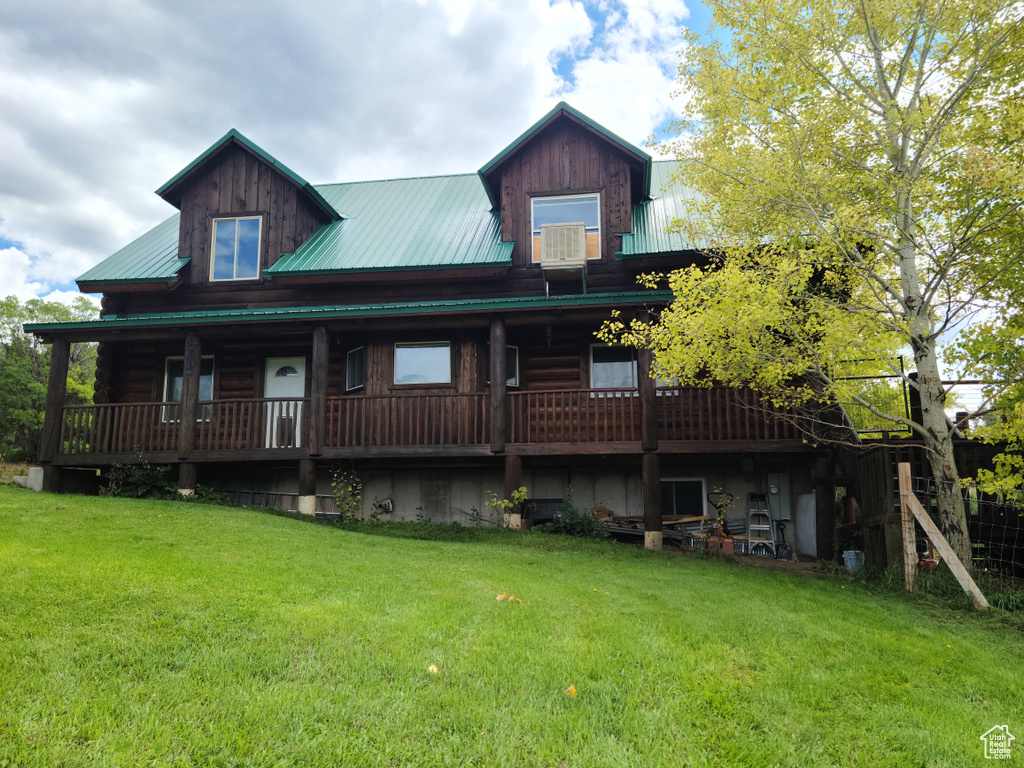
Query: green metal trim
x=562, y=106
x=171, y=276
x=458, y=306
x=308, y=188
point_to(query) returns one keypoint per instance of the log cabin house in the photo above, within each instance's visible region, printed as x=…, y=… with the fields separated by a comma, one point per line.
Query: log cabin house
x=437, y=333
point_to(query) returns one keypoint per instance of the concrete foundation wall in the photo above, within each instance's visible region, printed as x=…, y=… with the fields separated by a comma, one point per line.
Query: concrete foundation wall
x=460, y=495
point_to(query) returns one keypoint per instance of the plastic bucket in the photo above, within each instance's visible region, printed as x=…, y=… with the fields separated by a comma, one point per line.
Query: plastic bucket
x=853, y=560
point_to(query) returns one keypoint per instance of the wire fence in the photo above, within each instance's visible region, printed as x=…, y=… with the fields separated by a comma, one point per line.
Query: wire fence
x=995, y=525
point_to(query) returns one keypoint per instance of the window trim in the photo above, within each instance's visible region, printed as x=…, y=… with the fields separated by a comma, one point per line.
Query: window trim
x=168, y=413
x=634, y=361
x=535, y=230
x=508, y=379
x=406, y=344
x=348, y=355
x=213, y=248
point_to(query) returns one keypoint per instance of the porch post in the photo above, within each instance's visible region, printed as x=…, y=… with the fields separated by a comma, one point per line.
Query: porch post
x=513, y=474
x=652, y=501
x=186, y=478
x=53, y=418
x=189, y=394
x=307, y=486
x=318, y=391
x=825, y=508
x=499, y=375
x=648, y=401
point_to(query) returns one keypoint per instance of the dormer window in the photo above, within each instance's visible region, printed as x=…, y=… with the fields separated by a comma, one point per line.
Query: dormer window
x=569, y=209
x=236, y=248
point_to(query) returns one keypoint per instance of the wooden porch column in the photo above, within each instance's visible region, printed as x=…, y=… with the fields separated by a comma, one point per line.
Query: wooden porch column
x=499, y=375
x=307, y=486
x=825, y=508
x=189, y=394
x=648, y=401
x=53, y=417
x=56, y=390
x=513, y=474
x=318, y=391
x=186, y=478
x=652, y=500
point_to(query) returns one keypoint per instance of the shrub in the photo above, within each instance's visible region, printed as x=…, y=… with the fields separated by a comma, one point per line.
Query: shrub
x=571, y=521
x=140, y=481
x=348, y=492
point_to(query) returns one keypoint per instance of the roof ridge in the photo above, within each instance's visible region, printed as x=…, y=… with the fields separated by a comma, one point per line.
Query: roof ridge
x=400, y=178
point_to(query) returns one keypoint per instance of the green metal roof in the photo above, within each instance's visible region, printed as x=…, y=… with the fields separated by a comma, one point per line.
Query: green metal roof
x=652, y=220
x=561, y=106
x=436, y=221
x=457, y=306
x=151, y=258
x=235, y=136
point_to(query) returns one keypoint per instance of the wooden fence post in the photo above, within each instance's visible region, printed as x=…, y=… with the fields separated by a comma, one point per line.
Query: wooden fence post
x=908, y=501
x=907, y=520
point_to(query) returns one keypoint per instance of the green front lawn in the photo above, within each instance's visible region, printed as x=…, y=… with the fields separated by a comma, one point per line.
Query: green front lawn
x=164, y=633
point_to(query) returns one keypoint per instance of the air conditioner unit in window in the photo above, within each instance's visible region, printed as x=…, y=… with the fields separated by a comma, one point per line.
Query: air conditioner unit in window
x=563, y=246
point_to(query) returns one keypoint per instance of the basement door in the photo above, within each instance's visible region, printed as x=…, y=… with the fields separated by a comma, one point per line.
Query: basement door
x=284, y=387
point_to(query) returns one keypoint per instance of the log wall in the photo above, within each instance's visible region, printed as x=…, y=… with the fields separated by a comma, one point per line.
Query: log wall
x=564, y=159
x=240, y=183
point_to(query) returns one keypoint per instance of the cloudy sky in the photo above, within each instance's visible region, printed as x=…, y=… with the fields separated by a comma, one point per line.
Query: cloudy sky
x=101, y=101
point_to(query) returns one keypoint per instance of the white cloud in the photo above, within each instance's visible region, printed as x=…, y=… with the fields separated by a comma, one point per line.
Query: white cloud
x=102, y=103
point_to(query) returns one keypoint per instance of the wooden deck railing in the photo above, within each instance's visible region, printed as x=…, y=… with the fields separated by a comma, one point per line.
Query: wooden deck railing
x=117, y=428
x=534, y=417
x=394, y=420
x=720, y=413
x=238, y=425
x=574, y=416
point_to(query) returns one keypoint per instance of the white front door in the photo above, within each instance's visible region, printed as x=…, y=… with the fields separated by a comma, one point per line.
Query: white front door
x=285, y=378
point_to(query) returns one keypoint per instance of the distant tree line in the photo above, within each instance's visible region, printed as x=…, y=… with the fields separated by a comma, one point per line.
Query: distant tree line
x=25, y=368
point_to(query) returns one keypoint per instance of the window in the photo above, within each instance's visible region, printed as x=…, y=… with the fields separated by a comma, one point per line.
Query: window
x=683, y=496
x=511, y=365
x=427, y=363
x=236, y=249
x=568, y=210
x=174, y=374
x=355, y=369
x=612, y=367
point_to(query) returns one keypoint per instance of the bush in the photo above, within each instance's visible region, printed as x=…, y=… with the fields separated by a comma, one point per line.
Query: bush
x=572, y=522
x=140, y=481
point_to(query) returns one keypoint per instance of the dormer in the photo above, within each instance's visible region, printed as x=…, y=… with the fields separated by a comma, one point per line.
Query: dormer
x=241, y=209
x=565, y=190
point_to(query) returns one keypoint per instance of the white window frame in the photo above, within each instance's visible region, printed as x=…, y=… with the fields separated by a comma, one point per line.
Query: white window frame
x=408, y=344
x=703, y=490
x=349, y=386
x=213, y=249
x=510, y=381
x=169, y=413
x=636, y=365
x=535, y=230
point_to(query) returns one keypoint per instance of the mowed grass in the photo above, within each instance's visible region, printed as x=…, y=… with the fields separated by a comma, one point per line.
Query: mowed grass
x=163, y=633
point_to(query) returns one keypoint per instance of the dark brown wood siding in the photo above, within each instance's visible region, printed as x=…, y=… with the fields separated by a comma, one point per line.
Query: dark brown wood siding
x=565, y=159
x=239, y=184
